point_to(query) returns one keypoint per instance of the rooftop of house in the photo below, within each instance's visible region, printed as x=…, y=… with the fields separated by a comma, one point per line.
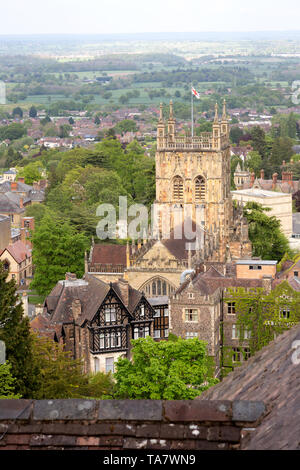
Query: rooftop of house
x=271, y=375
x=256, y=262
x=18, y=250
x=91, y=292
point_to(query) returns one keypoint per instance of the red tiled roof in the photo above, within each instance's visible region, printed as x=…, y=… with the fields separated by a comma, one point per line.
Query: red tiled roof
x=109, y=254
x=19, y=251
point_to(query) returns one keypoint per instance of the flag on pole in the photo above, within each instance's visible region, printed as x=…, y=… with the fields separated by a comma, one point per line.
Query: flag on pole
x=195, y=93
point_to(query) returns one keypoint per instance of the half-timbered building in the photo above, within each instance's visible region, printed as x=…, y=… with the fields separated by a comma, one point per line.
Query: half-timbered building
x=96, y=320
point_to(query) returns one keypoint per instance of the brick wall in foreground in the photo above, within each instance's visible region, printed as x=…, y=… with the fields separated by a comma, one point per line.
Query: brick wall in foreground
x=126, y=424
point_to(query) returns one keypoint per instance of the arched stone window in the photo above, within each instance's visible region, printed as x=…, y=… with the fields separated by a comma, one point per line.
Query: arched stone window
x=178, y=188
x=199, y=188
x=157, y=286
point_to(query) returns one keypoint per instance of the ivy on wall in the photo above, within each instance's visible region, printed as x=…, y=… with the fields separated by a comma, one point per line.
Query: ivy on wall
x=260, y=316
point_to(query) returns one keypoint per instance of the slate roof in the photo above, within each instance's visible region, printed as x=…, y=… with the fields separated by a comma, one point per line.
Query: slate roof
x=7, y=205
x=208, y=282
x=91, y=292
x=271, y=375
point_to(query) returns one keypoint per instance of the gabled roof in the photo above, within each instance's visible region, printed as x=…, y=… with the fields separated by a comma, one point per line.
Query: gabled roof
x=271, y=375
x=91, y=292
x=18, y=250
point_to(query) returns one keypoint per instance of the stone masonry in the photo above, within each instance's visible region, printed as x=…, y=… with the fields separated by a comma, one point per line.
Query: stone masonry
x=126, y=424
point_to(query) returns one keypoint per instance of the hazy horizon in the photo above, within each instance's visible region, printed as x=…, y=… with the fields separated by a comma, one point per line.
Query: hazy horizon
x=136, y=17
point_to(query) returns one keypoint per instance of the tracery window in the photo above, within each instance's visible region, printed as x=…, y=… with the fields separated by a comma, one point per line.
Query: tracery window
x=178, y=188
x=199, y=188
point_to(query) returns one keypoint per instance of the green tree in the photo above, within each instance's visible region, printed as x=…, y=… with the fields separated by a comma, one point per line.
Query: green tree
x=17, y=112
x=15, y=332
x=169, y=370
x=7, y=382
x=254, y=161
x=268, y=242
x=236, y=134
x=33, y=112
x=258, y=138
x=282, y=149
x=127, y=125
x=61, y=376
x=57, y=249
x=31, y=172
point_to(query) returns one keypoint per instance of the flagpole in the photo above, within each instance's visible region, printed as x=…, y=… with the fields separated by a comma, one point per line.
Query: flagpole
x=192, y=110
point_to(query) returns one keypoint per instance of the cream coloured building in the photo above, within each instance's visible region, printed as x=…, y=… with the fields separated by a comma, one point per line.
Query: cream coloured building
x=279, y=203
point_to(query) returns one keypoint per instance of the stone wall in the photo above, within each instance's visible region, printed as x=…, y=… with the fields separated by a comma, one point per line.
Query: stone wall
x=126, y=424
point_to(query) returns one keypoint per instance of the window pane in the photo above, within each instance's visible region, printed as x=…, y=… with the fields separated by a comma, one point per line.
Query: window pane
x=109, y=364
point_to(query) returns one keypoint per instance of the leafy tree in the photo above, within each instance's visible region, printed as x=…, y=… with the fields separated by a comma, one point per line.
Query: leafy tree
x=64, y=130
x=15, y=332
x=61, y=376
x=33, y=112
x=7, y=382
x=57, y=249
x=236, y=134
x=12, y=131
x=258, y=138
x=127, y=125
x=282, y=149
x=97, y=120
x=268, y=242
x=169, y=370
x=254, y=161
x=71, y=121
x=31, y=172
x=17, y=112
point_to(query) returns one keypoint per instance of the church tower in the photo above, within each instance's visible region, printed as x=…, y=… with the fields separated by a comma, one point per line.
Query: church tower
x=193, y=174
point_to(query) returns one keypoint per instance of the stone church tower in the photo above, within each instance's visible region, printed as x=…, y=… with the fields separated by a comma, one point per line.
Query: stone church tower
x=192, y=184
x=193, y=174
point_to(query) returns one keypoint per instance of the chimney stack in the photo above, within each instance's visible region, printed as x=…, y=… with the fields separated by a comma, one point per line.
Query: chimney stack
x=124, y=289
x=71, y=277
x=13, y=185
x=252, y=179
x=274, y=177
x=262, y=174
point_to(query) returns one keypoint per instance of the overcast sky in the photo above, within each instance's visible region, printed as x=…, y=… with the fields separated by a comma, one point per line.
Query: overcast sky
x=135, y=16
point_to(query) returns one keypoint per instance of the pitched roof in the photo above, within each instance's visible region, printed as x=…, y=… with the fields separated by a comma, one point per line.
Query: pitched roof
x=271, y=375
x=7, y=205
x=19, y=251
x=91, y=292
x=109, y=254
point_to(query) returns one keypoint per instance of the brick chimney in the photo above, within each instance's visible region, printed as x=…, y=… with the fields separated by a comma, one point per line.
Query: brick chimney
x=71, y=277
x=21, y=179
x=274, y=177
x=284, y=176
x=252, y=179
x=124, y=289
x=262, y=174
x=13, y=185
x=23, y=235
x=76, y=308
x=36, y=186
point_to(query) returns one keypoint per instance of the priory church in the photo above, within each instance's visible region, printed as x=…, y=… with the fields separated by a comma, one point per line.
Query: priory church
x=193, y=177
